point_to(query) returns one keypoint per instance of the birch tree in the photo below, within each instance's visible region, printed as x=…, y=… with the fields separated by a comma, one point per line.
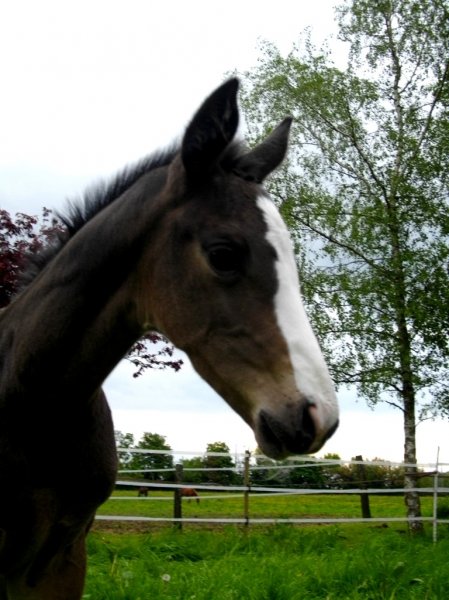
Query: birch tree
x=366, y=196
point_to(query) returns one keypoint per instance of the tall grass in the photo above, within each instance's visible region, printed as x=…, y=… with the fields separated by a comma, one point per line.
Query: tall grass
x=276, y=563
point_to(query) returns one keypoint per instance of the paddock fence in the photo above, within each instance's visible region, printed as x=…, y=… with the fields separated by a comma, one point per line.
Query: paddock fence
x=174, y=480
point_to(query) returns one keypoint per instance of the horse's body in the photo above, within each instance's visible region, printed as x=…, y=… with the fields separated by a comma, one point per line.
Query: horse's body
x=186, y=243
x=190, y=493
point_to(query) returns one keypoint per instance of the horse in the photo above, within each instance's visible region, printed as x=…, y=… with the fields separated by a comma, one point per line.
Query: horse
x=190, y=493
x=187, y=243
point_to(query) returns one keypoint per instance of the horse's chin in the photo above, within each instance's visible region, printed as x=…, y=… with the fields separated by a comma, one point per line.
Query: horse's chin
x=277, y=451
x=272, y=451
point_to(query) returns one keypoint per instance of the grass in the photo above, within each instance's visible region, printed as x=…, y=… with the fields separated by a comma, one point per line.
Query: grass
x=282, y=562
x=276, y=563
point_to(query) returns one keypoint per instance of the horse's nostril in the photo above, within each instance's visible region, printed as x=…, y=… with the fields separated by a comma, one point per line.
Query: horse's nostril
x=269, y=430
x=292, y=434
x=307, y=425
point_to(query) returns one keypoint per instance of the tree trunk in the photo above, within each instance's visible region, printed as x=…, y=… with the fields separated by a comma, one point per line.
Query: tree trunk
x=404, y=348
x=411, y=498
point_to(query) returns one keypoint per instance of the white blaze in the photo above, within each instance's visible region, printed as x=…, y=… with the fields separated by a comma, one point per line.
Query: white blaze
x=310, y=371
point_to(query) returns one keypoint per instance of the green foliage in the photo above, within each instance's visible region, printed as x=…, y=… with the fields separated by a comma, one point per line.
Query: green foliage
x=366, y=191
x=365, y=476
x=197, y=462
x=443, y=510
x=221, y=470
x=160, y=462
x=222, y=477
x=299, y=474
x=366, y=196
x=124, y=440
x=288, y=475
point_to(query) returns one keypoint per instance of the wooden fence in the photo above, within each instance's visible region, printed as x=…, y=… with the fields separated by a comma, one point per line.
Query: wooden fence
x=247, y=490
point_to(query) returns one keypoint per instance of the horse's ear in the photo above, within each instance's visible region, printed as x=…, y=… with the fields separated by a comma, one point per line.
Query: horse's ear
x=264, y=158
x=211, y=129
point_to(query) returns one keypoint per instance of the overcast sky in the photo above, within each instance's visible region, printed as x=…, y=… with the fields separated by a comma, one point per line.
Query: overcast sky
x=90, y=86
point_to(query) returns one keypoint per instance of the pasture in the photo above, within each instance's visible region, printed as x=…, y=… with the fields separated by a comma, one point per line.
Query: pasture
x=216, y=505
x=140, y=561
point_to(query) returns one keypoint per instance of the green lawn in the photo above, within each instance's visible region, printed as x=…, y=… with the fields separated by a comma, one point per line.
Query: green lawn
x=369, y=561
x=267, y=563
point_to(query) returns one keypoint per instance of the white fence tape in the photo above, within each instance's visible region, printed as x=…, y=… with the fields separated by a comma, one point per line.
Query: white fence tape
x=437, y=470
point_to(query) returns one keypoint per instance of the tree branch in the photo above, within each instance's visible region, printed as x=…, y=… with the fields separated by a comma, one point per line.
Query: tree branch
x=330, y=238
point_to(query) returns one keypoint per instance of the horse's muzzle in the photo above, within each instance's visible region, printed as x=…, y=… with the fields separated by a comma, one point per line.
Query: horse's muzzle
x=295, y=432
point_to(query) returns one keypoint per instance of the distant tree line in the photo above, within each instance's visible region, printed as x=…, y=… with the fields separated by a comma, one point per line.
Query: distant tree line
x=265, y=472
x=297, y=474
x=220, y=470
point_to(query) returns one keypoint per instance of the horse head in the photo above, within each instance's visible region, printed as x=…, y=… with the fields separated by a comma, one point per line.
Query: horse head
x=225, y=287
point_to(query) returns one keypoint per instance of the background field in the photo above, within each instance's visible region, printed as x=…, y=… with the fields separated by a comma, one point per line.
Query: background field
x=216, y=505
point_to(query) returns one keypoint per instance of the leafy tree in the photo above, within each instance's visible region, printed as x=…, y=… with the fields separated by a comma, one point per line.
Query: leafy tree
x=158, y=461
x=378, y=476
x=226, y=477
x=287, y=473
x=366, y=196
x=21, y=238
x=263, y=473
x=331, y=475
x=306, y=476
x=123, y=441
x=196, y=462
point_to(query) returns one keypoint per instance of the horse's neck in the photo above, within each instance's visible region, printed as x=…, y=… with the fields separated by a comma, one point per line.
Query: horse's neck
x=66, y=331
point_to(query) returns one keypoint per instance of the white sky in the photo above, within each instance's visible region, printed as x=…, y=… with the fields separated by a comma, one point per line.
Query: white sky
x=90, y=86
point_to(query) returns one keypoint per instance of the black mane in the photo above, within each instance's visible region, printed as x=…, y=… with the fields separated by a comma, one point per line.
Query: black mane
x=95, y=199
x=99, y=196
x=102, y=194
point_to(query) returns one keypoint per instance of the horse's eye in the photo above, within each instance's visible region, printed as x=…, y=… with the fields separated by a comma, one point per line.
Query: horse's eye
x=225, y=259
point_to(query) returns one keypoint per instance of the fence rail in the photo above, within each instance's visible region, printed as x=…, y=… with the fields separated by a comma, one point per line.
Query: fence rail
x=248, y=490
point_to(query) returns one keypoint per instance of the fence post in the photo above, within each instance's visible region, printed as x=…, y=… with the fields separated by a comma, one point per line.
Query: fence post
x=364, y=498
x=435, y=499
x=177, y=497
x=247, y=483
